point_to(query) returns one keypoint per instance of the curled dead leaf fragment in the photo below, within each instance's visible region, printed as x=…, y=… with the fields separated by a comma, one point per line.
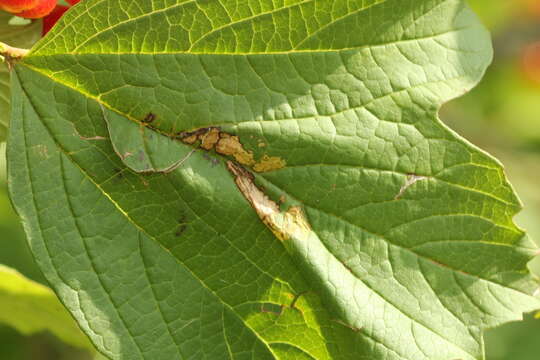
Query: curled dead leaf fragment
x=284, y=225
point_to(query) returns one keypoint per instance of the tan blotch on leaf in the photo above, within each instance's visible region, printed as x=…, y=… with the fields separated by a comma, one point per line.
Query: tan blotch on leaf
x=230, y=145
x=269, y=163
x=290, y=224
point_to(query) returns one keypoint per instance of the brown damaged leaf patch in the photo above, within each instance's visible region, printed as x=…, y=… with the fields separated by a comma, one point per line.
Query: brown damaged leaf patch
x=269, y=163
x=213, y=138
x=284, y=225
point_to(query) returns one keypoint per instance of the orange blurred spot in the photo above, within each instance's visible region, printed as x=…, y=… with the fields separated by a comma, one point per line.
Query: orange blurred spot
x=15, y=6
x=534, y=7
x=531, y=61
x=42, y=9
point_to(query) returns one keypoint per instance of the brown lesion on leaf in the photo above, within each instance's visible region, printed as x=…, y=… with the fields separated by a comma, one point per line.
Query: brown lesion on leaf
x=212, y=138
x=190, y=140
x=230, y=145
x=284, y=225
x=269, y=163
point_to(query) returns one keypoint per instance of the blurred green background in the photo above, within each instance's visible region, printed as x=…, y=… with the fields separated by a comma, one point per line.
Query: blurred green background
x=502, y=116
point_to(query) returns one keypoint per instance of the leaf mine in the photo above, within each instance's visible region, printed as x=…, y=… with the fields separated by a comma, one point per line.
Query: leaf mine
x=284, y=225
x=229, y=145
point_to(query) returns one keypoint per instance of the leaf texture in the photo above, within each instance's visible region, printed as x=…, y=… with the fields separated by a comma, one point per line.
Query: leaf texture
x=243, y=179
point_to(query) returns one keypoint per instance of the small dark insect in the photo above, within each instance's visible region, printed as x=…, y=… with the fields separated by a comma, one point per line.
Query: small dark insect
x=182, y=225
x=149, y=118
x=118, y=173
x=180, y=230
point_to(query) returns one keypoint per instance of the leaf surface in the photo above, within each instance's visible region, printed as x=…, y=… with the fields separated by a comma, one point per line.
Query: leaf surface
x=31, y=307
x=23, y=36
x=266, y=180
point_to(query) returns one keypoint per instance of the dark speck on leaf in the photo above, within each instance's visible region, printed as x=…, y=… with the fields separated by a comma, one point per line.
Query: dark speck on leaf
x=150, y=117
x=118, y=173
x=180, y=230
x=182, y=226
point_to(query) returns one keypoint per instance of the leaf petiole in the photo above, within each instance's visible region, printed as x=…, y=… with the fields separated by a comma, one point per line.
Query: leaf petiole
x=11, y=54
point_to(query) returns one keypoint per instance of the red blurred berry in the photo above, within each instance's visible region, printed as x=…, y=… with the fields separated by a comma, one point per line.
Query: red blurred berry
x=52, y=18
x=15, y=6
x=55, y=15
x=43, y=8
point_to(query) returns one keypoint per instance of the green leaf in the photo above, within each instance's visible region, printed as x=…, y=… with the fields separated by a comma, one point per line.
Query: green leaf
x=20, y=36
x=31, y=307
x=266, y=180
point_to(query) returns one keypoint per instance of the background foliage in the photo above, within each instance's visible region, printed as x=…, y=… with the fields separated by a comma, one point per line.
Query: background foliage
x=501, y=115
